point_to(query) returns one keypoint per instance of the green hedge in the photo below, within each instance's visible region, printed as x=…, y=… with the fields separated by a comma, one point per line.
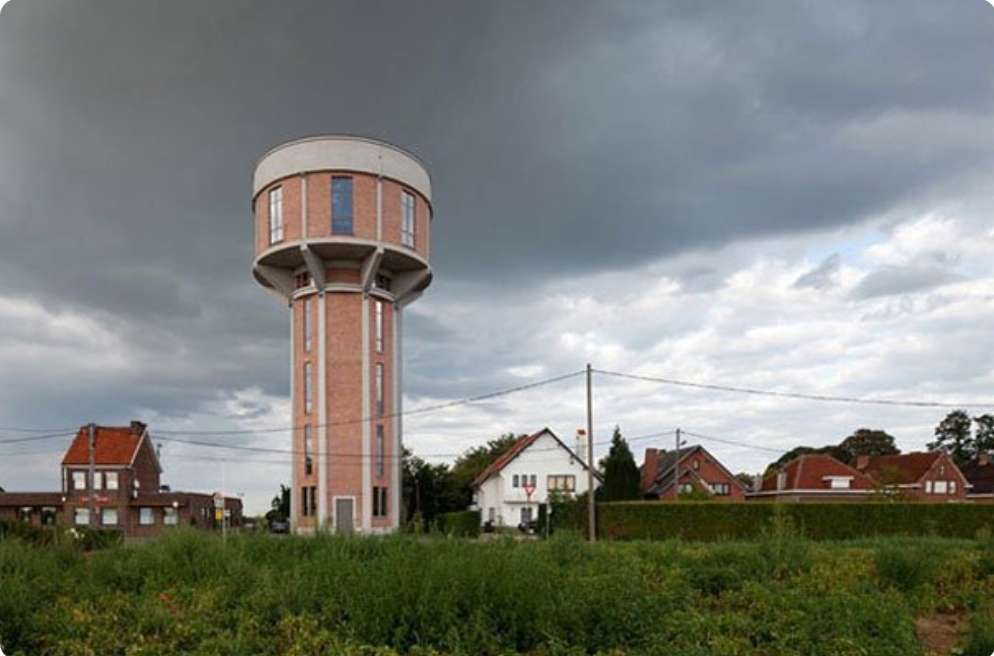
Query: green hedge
x=465, y=523
x=653, y=520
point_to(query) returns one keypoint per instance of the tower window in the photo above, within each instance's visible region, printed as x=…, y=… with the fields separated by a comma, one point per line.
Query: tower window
x=382, y=282
x=341, y=206
x=379, y=326
x=308, y=450
x=379, y=501
x=275, y=215
x=379, y=388
x=380, y=454
x=307, y=324
x=407, y=219
x=308, y=389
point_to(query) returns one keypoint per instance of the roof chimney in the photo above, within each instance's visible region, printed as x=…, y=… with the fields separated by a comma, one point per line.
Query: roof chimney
x=137, y=427
x=581, y=443
x=983, y=458
x=862, y=462
x=650, y=466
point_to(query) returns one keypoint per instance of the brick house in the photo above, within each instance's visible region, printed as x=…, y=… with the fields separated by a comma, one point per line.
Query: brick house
x=815, y=477
x=699, y=470
x=125, y=492
x=931, y=476
x=979, y=474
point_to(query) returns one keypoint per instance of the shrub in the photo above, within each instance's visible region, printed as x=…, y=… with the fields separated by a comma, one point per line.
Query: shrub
x=465, y=524
x=905, y=568
x=980, y=638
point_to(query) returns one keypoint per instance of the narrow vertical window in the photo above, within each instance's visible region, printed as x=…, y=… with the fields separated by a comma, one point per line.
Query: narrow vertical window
x=407, y=219
x=307, y=324
x=379, y=388
x=305, y=504
x=380, y=454
x=341, y=206
x=275, y=215
x=308, y=389
x=379, y=326
x=308, y=451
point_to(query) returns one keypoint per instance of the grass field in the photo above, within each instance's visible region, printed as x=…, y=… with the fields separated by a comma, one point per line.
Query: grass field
x=190, y=594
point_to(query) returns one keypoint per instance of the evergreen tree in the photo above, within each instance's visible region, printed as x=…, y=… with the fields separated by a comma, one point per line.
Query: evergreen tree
x=953, y=436
x=622, y=480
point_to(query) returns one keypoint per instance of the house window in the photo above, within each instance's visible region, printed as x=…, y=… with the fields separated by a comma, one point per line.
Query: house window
x=146, y=517
x=307, y=324
x=379, y=502
x=98, y=481
x=24, y=514
x=781, y=480
x=940, y=487
x=275, y=215
x=515, y=481
x=79, y=480
x=380, y=455
x=697, y=464
x=839, y=482
x=952, y=487
x=721, y=489
x=169, y=516
x=308, y=450
x=302, y=279
x=81, y=517
x=533, y=479
x=526, y=515
x=407, y=219
x=382, y=282
x=562, y=483
x=379, y=326
x=308, y=389
x=108, y=516
x=110, y=480
x=48, y=516
x=379, y=388
x=341, y=206
x=491, y=514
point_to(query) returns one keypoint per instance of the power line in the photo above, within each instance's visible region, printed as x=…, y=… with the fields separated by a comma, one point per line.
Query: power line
x=734, y=442
x=415, y=411
x=793, y=395
x=35, y=438
x=260, y=449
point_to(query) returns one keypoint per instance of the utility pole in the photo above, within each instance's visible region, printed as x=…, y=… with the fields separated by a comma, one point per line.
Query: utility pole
x=224, y=504
x=676, y=470
x=591, y=510
x=92, y=487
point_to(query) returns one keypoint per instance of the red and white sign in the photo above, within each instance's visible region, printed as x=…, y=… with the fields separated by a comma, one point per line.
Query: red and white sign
x=529, y=490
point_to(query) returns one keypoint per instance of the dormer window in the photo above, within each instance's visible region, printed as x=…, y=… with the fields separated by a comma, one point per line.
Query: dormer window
x=838, y=482
x=781, y=480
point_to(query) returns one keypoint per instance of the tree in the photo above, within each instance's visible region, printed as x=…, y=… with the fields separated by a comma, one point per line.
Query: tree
x=622, y=480
x=748, y=480
x=472, y=463
x=280, y=505
x=427, y=490
x=984, y=437
x=867, y=442
x=953, y=436
x=796, y=452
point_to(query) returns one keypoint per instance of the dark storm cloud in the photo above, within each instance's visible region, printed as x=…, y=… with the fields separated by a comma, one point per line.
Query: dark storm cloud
x=562, y=138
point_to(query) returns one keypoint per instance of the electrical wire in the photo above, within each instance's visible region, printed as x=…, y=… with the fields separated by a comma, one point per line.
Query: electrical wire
x=35, y=438
x=734, y=442
x=793, y=395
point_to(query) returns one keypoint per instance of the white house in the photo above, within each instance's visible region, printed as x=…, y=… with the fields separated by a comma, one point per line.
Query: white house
x=509, y=491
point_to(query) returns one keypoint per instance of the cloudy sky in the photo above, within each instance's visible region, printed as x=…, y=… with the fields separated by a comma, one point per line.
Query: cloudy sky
x=788, y=195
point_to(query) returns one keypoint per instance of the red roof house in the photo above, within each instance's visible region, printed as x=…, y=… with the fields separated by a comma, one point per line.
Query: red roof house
x=931, y=476
x=815, y=477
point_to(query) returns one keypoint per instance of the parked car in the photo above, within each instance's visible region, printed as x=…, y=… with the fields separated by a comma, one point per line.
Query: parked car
x=279, y=526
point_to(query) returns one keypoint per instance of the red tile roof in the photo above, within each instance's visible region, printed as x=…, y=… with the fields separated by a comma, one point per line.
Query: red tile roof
x=520, y=445
x=501, y=461
x=902, y=469
x=116, y=445
x=808, y=472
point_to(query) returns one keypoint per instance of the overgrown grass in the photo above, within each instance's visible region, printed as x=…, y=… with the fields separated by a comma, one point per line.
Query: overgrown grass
x=190, y=594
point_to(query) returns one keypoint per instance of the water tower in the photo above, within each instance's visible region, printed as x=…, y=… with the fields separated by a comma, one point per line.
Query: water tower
x=343, y=235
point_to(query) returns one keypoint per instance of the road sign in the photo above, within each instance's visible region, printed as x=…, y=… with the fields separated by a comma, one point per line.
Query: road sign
x=529, y=490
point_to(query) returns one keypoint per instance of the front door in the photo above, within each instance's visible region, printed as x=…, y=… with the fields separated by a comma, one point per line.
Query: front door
x=343, y=516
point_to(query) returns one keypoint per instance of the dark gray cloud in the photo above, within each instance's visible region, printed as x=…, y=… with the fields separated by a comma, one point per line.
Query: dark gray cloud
x=563, y=138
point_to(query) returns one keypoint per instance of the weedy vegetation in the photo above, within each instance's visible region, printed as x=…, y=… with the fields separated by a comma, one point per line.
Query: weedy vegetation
x=778, y=595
